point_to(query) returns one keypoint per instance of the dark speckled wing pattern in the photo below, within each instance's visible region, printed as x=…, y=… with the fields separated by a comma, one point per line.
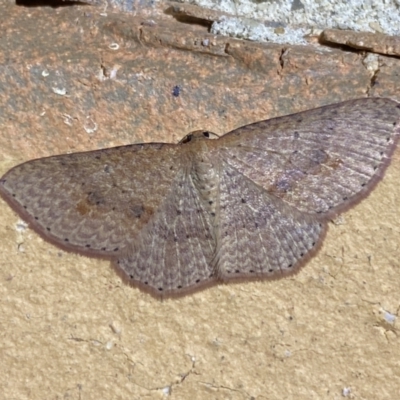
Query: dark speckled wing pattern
x=251, y=204
x=94, y=202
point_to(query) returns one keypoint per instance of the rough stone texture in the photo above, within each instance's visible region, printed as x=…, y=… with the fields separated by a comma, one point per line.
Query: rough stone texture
x=185, y=10
x=71, y=329
x=373, y=42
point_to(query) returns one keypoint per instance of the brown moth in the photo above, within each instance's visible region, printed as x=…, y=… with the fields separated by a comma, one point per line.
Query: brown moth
x=251, y=204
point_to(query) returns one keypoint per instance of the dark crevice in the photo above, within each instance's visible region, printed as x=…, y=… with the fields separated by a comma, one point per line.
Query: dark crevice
x=188, y=19
x=340, y=46
x=281, y=60
x=49, y=3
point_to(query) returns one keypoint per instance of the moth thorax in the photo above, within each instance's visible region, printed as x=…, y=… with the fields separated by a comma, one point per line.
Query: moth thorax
x=205, y=178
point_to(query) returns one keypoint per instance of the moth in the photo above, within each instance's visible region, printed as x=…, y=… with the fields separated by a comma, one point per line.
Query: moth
x=251, y=204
